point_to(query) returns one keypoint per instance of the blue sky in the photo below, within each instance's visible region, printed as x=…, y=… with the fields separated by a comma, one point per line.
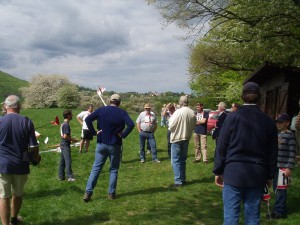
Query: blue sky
x=118, y=44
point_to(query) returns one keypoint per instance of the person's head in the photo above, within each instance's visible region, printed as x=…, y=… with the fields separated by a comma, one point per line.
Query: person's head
x=283, y=121
x=221, y=106
x=12, y=104
x=171, y=108
x=90, y=108
x=115, y=99
x=183, y=101
x=234, y=107
x=199, y=107
x=250, y=93
x=67, y=114
x=147, y=107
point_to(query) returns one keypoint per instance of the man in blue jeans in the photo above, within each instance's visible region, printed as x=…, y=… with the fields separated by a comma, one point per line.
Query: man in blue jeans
x=111, y=122
x=181, y=126
x=146, y=124
x=245, y=158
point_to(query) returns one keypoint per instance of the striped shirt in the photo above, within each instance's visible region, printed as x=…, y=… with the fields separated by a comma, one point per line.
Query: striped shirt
x=286, y=149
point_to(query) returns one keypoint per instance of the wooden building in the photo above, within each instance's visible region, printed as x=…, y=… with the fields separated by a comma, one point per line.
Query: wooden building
x=279, y=88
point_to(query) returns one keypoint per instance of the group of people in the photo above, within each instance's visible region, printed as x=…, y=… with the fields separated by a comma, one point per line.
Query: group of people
x=251, y=151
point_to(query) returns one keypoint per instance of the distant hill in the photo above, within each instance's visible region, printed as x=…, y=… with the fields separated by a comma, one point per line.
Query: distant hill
x=10, y=85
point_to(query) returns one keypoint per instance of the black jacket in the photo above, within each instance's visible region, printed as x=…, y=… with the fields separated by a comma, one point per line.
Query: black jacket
x=246, y=148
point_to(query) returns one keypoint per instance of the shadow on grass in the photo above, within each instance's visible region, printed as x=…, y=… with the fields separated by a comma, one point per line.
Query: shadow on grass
x=168, y=188
x=53, y=192
x=78, y=220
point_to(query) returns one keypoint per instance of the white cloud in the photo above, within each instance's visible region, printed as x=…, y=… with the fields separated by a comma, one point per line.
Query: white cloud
x=117, y=43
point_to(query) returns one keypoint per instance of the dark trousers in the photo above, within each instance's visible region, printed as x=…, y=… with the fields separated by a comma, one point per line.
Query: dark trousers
x=65, y=161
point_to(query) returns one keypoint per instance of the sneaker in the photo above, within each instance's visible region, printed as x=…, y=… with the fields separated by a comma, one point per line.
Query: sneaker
x=112, y=196
x=87, y=197
x=71, y=179
x=148, y=152
x=142, y=161
x=156, y=161
x=16, y=221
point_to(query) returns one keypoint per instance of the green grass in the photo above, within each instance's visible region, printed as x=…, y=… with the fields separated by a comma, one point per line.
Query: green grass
x=10, y=85
x=144, y=195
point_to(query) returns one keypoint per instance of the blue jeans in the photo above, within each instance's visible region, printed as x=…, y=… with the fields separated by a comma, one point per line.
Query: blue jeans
x=179, y=152
x=101, y=153
x=65, y=161
x=232, y=198
x=151, y=140
x=280, y=197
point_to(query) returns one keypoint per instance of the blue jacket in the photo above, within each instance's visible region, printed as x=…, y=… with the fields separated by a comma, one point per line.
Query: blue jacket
x=111, y=120
x=246, y=148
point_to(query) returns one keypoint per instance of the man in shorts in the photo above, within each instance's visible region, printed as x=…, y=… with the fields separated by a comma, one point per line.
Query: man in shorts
x=86, y=135
x=16, y=135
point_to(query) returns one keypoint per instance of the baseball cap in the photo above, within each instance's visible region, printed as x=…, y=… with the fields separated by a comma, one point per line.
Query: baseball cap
x=115, y=97
x=283, y=117
x=251, y=86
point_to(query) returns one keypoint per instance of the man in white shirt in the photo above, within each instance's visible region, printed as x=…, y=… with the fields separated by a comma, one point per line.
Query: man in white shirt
x=86, y=135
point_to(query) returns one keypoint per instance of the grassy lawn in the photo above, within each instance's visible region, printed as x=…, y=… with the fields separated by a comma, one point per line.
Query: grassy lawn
x=144, y=195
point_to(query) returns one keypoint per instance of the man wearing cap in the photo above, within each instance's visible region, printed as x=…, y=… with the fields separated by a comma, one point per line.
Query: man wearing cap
x=111, y=123
x=146, y=124
x=245, y=158
x=16, y=134
x=222, y=116
x=181, y=126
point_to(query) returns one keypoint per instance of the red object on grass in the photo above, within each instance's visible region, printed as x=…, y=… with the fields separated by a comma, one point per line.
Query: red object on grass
x=56, y=122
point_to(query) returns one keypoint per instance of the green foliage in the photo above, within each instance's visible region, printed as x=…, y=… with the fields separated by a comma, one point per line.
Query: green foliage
x=67, y=97
x=144, y=192
x=234, y=36
x=42, y=91
x=10, y=85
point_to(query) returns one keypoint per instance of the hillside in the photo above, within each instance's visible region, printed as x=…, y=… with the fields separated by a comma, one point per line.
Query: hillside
x=9, y=85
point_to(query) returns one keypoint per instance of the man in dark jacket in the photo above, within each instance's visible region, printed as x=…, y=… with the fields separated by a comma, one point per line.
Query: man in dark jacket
x=113, y=125
x=245, y=158
x=220, y=120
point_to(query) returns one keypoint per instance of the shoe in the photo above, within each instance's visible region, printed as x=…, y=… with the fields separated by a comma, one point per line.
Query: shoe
x=148, y=152
x=156, y=161
x=87, y=197
x=142, y=161
x=276, y=216
x=111, y=195
x=206, y=162
x=16, y=221
x=71, y=179
x=61, y=179
x=196, y=161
